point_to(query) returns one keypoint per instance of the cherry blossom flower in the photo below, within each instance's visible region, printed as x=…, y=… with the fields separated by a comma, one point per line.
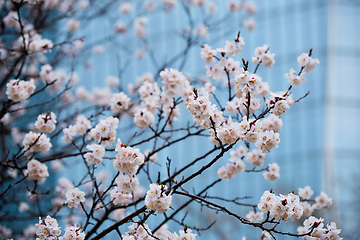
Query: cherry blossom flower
x=156, y=199
x=74, y=197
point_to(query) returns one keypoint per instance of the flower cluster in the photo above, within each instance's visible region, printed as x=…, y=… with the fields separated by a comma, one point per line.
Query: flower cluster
x=47, y=228
x=263, y=56
x=150, y=100
x=208, y=54
x=307, y=62
x=281, y=207
x=119, y=102
x=148, y=88
x=105, y=131
x=241, y=105
x=125, y=185
x=79, y=128
x=20, y=90
x=236, y=166
x=144, y=118
x=98, y=152
x=256, y=157
x=279, y=102
x=150, y=96
x=36, y=142
x=175, y=83
x=272, y=122
x=232, y=48
x=119, y=197
x=156, y=199
x=137, y=231
x=37, y=170
x=73, y=232
x=34, y=42
x=127, y=159
x=229, y=132
x=295, y=79
x=305, y=193
x=273, y=172
x=185, y=234
x=163, y=234
x=226, y=65
x=316, y=229
x=46, y=122
x=56, y=77
x=250, y=83
x=220, y=70
x=321, y=201
x=267, y=140
x=74, y=197
x=201, y=109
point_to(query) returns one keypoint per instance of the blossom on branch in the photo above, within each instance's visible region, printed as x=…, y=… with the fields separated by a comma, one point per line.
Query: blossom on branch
x=47, y=228
x=263, y=56
x=156, y=199
x=46, y=122
x=74, y=197
x=281, y=207
x=273, y=172
x=144, y=118
x=105, y=131
x=20, y=90
x=316, y=227
x=98, y=152
x=37, y=170
x=307, y=62
x=73, y=233
x=36, y=142
x=127, y=159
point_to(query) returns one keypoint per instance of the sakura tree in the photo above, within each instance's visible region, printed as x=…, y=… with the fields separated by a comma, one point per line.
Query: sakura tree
x=92, y=164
